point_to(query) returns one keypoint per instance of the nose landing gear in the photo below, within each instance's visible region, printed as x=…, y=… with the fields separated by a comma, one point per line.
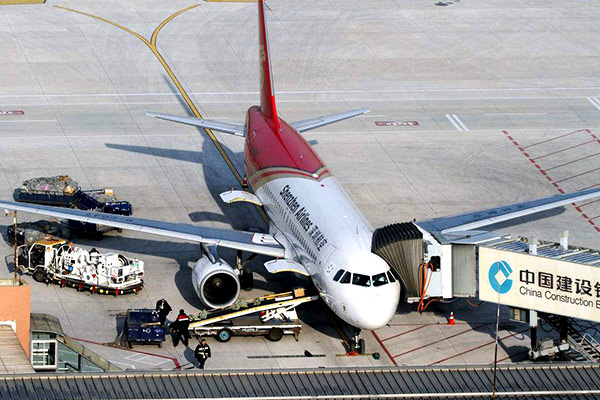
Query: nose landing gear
x=356, y=343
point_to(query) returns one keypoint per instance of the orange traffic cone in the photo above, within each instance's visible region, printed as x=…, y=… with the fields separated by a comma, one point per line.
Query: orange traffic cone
x=451, y=319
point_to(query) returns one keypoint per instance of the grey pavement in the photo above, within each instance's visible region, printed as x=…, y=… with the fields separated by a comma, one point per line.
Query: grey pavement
x=470, y=74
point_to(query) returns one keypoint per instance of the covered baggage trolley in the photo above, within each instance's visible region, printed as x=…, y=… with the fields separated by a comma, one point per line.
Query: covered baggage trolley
x=143, y=326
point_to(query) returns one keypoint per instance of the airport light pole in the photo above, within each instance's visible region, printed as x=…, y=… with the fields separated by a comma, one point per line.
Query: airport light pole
x=16, y=276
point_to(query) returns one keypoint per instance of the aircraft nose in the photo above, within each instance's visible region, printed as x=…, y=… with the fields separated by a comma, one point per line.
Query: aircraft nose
x=377, y=309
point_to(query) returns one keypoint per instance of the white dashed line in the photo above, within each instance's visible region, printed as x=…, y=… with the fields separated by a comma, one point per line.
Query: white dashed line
x=595, y=102
x=27, y=120
x=458, y=124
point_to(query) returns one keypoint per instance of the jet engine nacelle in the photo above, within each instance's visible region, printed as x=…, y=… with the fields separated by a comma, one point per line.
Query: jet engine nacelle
x=217, y=284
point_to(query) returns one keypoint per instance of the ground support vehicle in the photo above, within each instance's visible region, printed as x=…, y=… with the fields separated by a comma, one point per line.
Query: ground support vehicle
x=63, y=191
x=142, y=326
x=103, y=200
x=272, y=316
x=57, y=261
x=58, y=190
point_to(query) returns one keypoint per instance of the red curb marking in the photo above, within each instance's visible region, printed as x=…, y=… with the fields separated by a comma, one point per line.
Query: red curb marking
x=404, y=333
x=557, y=137
x=575, y=176
x=555, y=183
x=565, y=149
x=511, y=356
x=441, y=340
x=572, y=162
x=480, y=346
x=589, y=202
x=387, y=352
x=592, y=186
x=177, y=365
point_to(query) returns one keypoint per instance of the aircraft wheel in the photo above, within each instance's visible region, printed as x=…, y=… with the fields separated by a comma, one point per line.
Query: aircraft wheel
x=224, y=335
x=361, y=346
x=275, y=334
x=39, y=275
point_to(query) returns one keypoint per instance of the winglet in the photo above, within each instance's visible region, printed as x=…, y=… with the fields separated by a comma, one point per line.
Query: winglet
x=267, y=92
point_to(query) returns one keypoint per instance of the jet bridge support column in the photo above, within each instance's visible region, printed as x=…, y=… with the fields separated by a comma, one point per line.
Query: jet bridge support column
x=533, y=316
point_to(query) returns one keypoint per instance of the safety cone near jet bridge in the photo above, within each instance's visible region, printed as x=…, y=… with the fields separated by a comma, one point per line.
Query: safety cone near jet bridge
x=451, y=319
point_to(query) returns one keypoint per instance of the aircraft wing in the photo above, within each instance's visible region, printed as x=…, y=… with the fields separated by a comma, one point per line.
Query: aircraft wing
x=477, y=219
x=247, y=241
x=225, y=127
x=308, y=124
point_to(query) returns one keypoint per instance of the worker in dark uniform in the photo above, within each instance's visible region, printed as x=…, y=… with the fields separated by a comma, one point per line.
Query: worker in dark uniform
x=181, y=329
x=163, y=309
x=201, y=353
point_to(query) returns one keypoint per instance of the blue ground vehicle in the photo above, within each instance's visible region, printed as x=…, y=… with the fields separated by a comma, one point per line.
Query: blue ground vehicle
x=143, y=326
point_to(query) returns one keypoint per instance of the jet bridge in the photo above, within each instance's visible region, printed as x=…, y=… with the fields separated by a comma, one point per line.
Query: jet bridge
x=430, y=265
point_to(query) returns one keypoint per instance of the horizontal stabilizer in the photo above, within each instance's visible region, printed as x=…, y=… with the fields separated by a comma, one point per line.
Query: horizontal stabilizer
x=233, y=196
x=281, y=265
x=308, y=124
x=477, y=219
x=233, y=129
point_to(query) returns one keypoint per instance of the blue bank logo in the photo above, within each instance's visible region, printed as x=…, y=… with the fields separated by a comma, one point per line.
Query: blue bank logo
x=499, y=276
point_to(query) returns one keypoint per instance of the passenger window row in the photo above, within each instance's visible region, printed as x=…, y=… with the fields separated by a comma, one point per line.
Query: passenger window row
x=381, y=279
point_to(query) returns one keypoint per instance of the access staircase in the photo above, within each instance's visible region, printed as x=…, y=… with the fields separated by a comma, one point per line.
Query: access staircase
x=583, y=346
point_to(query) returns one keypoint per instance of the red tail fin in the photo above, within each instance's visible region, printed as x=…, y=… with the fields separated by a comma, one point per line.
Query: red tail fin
x=267, y=93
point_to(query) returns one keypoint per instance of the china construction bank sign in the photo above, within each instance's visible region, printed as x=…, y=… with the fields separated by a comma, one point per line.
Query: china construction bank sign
x=539, y=283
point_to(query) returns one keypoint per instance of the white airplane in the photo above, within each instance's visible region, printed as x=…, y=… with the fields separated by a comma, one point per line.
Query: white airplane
x=315, y=230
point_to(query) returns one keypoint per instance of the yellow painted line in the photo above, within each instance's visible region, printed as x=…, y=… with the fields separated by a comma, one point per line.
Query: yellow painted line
x=168, y=19
x=15, y=2
x=137, y=35
x=336, y=325
x=152, y=46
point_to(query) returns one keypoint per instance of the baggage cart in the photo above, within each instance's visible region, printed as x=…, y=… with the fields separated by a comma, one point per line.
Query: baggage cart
x=142, y=326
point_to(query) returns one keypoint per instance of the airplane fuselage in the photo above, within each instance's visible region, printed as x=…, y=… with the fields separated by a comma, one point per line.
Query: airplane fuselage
x=318, y=223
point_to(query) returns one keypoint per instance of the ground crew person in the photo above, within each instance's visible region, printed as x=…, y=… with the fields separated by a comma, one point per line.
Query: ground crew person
x=181, y=329
x=201, y=353
x=163, y=308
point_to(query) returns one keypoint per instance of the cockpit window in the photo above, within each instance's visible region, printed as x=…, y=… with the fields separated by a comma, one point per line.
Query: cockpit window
x=361, y=280
x=346, y=278
x=380, y=279
x=391, y=276
x=338, y=275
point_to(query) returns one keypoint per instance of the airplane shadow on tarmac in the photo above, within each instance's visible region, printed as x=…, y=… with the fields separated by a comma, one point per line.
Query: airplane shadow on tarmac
x=239, y=216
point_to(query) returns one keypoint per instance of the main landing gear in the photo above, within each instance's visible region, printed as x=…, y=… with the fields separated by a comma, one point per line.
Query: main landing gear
x=356, y=343
x=246, y=275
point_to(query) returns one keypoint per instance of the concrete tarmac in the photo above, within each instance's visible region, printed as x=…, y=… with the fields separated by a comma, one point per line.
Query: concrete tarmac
x=474, y=104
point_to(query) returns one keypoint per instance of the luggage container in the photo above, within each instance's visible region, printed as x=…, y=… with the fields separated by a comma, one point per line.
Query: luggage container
x=142, y=326
x=58, y=190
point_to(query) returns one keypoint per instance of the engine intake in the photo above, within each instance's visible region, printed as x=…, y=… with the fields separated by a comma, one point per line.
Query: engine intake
x=217, y=285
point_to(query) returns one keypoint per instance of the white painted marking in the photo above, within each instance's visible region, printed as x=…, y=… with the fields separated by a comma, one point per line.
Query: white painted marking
x=315, y=134
x=540, y=113
x=429, y=90
x=127, y=366
x=458, y=124
x=141, y=358
x=27, y=120
x=595, y=102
